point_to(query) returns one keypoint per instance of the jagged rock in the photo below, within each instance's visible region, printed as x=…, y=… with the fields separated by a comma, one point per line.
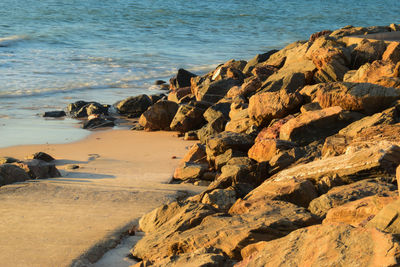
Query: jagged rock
x=298, y=192
x=182, y=79
x=187, y=118
x=263, y=107
x=210, y=129
x=10, y=173
x=228, y=233
x=239, y=125
x=196, y=154
x=225, y=72
x=379, y=160
x=190, y=171
x=39, y=169
x=310, y=107
x=55, y=114
x=266, y=149
x=351, y=30
x=133, y=106
x=232, y=175
x=221, y=142
x=329, y=245
x=285, y=80
x=335, y=145
x=392, y=52
x=273, y=130
x=223, y=159
x=221, y=199
x=387, y=219
x=367, y=51
x=81, y=109
x=394, y=27
x=260, y=58
x=239, y=109
x=363, y=97
x=359, y=211
x=98, y=123
x=42, y=156
x=179, y=94
x=159, y=116
x=316, y=35
x=217, y=110
x=340, y=195
x=213, y=91
x=280, y=161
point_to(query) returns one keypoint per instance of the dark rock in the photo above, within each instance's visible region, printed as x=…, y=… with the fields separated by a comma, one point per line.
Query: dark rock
x=367, y=51
x=187, y=118
x=221, y=142
x=210, y=129
x=213, y=91
x=159, y=82
x=260, y=58
x=159, y=116
x=42, y=156
x=54, y=114
x=217, y=110
x=98, y=123
x=133, y=106
x=4, y=160
x=157, y=97
x=39, y=169
x=182, y=79
x=10, y=173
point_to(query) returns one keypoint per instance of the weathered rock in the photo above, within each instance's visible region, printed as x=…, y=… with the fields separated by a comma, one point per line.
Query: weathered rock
x=335, y=145
x=298, y=192
x=394, y=27
x=310, y=107
x=217, y=110
x=340, y=195
x=387, y=219
x=228, y=233
x=159, y=116
x=264, y=107
x=39, y=169
x=190, y=171
x=221, y=142
x=231, y=175
x=260, y=58
x=4, y=160
x=133, y=106
x=239, y=109
x=359, y=211
x=196, y=154
x=266, y=149
x=363, y=97
x=182, y=79
x=263, y=72
x=280, y=161
x=81, y=109
x=10, y=173
x=285, y=80
x=188, y=117
x=273, y=130
x=367, y=51
x=213, y=91
x=248, y=87
x=392, y=52
x=98, y=123
x=210, y=129
x=225, y=72
x=221, y=199
x=178, y=94
x=379, y=160
x=239, y=125
x=55, y=114
x=313, y=125
x=316, y=35
x=351, y=30
x=223, y=159
x=329, y=245
x=42, y=156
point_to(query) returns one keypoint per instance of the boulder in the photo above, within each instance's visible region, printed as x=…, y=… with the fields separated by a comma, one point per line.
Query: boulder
x=310, y=107
x=54, y=114
x=213, y=91
x=263, y=107
x=313, y=125
x=351, y=30
x=227, y=233
x=367, y=51
x=232, y=175
x=217, y=110
x=196, y=154
x=316, y=35
x=133, y=106
x=240, y=125
x=182, y=79
x=188, y=117
x=285, y=80
x=329, y=245
x=266, y=149
x=358, y=212
x=179, y=94
x=363, y=97
x=221, y=142
x=248, y=87
x=98, y=122
x=221, y=199
x=159, y=116
x=263, y=72
x=387, y=219
x=39, y=169
x=10, y=173
x=392, y=52
x=190, y=171
x=210, y=129
x=273, y=130
x=81, y=109
x=157, y=97
x=378, y=160
x=260, y=58
x=340, y=195
x=42, y=156
x=223, y=159
x=4, y=160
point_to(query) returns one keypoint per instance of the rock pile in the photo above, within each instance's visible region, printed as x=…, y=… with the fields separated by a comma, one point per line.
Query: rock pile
x=298, y=149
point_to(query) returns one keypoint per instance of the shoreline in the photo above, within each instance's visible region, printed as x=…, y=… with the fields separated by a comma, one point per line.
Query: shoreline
x=84, y=213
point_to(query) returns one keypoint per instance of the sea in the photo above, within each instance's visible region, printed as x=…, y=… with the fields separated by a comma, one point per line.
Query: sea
x=54, y=52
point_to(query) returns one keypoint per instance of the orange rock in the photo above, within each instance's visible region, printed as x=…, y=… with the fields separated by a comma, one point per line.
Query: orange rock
x=265, y=149
x=392, y=52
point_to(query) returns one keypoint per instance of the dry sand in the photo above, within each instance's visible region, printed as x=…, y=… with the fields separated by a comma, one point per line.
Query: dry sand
x=74, y=219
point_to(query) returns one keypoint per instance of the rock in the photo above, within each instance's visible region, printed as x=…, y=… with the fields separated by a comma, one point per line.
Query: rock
x=335, y=145
x=273, y=130
x=227, y=233
x=190, y=171
x=340, y=195
x=217, y=110
x=387, y=219
x=223, y=159
x=221, y=142
x=316, y=35
x=298, y=192
x=55, y=114
x=363, y=97
x=310, y=107
x=263, y=107
x=260, y=58
x=359, y=211
x=39, y=169
x=10, y=173
x=247, y=88
x=196, y=154
x=232, y=175
x=4, y=160
x=384, y=73
x=239, y=125
x=182, y=79
x=98, y=123
x=266, y=149
x=284, y=80
x=133, y=106
x=179, y=94
x=187, y=118
x=378, y=160
x=367, y=51
x=159, y=82
x=394, y=27
x=313, y=125
x=392, y=52
x=191, y=135
x=159, y=116
x=137, y=127
x=81, y=109
x=264, y=72
x=42, y=156
x=210, y=129
x=213, y=91
x=351, y=30
x=221, y=199
x=157, y=97
x=329, y=245
x=239, y=109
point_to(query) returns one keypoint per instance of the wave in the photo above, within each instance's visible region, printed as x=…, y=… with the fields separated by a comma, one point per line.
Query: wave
x=11, y=40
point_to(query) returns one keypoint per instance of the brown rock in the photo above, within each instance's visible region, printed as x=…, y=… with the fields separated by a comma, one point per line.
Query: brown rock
x=335, y=145
x=221, y=199
x=182, y=79
x=10, y=173
x=329, y=245
x=159, y=116
x=367, y=51
x=39, y=169
x=387, y=219
x=250, y=86
x=190, y=171
x=42, y=156
x=240, y=125
x=340, y=195
x=187, y=117
x=178, y=94
x=213, y=91
x=392, y=52
x=266, y=149
x=133, y=106
x=197, y=154
x=319, y=34
x=273, y=130
x=359, y=211
x=263, y=107
x=260, y=58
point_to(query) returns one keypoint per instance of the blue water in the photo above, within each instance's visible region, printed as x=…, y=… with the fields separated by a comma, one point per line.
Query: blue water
x=53, y=52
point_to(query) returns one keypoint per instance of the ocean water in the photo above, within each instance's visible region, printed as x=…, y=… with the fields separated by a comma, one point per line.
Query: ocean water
x=54, y=52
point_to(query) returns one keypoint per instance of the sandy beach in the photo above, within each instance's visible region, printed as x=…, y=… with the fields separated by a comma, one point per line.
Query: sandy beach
x=74, y=219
